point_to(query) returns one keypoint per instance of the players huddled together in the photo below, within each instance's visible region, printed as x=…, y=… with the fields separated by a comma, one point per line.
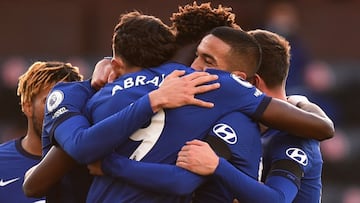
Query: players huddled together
x=195, y=111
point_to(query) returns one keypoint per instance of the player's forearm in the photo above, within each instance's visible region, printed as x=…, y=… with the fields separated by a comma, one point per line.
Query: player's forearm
x=247, y=189
x=303, y=103
x=150, y=175
x=90, y=143
x=284, y=116
x=312, y=108
x=40, y=179
x=157, y=100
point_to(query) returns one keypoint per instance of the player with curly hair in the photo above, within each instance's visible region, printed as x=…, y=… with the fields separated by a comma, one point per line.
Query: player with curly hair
x=192, y=22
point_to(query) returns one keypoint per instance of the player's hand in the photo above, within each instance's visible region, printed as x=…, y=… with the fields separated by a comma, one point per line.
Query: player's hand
x=103, y=73
x=95, y=169
x=296, y=100
x=197, y=157
x=178, y=90
x=303, y=103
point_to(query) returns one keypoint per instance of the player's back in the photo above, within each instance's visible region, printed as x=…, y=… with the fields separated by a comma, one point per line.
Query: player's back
x=161, y=139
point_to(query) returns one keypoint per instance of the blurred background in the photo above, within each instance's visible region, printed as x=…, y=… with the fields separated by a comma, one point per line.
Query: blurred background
x=324, y=35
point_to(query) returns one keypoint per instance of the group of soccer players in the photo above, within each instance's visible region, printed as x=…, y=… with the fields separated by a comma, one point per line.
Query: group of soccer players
x=138, y=124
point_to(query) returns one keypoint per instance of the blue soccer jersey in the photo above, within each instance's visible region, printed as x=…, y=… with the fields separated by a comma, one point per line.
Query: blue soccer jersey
x=73, y=187
x=65, y=125
x=235, y=136
x=162, y=137
x=242, y=139
x=292, y=172
x=14, y=162
x=305, y=153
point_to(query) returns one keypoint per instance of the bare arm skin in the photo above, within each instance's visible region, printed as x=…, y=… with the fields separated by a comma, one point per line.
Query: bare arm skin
x=284, y=116
x=39, y=179
x=303, y=103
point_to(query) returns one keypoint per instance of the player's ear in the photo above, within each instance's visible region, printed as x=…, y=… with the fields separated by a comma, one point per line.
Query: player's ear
x=240, y=74
x=27, y=109
x=258, y=81
x=118, y=65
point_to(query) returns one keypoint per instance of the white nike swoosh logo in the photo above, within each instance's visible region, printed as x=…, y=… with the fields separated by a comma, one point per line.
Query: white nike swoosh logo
x=4, y=183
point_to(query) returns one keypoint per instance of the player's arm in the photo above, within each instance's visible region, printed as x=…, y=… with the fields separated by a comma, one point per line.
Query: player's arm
x=78, y=126
x=284, y=116
x=279, y=189
x=149, y=176
x=57, y=162
x=303, y=103
x=85, y=143
x=273, y=112
x=198, y=157
x=40, y=178
x=179, y=181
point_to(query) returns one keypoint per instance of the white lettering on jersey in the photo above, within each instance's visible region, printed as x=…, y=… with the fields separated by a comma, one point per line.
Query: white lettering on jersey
x=149, y=136
x=154, y=81
x=116, y=88
x=139, y=80
x=297, y=155
x=128, y=82
x=257, y=93
x=59, y=112
x=54, y=99
x=225, y=132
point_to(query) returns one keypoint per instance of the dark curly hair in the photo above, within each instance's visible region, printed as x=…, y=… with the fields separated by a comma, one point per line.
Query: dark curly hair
x=143, y=40
x=192, y=22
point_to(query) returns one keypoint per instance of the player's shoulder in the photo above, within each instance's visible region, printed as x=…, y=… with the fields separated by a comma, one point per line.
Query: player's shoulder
x=283, y=145
x=220, y=73
x=9, y=150
x=169, y=67
x=10, y=144
x=229, y=78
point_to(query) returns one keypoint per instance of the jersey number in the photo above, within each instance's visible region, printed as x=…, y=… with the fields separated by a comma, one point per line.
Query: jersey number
x=148, y=136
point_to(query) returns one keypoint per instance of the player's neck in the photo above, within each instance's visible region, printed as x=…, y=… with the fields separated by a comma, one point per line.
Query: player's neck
x=32, y=143
x=131, y=69
x=276, y=92
x=185, y=54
